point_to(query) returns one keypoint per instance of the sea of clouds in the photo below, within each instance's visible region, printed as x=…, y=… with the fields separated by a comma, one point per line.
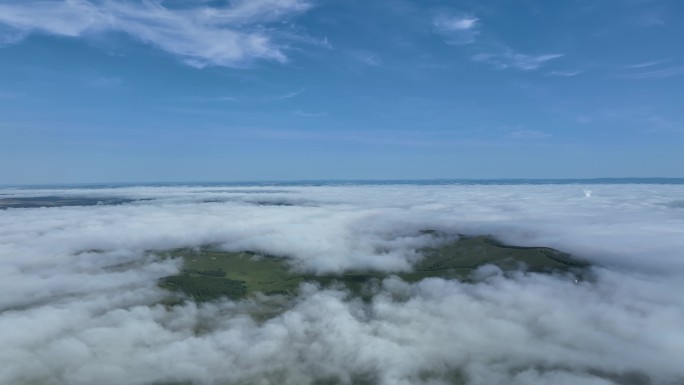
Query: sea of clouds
x=79, y=302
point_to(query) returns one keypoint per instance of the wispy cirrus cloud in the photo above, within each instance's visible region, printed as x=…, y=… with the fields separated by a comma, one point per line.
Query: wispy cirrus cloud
x=291, y=94
x=650, y=70
x=368, y=58
x=461, y=29
x=307, y=114
x=528, y=134
x=645, y=64
x=565, y=74
x=456, y=28
x=515, y=60
x=660, y=73
x=202, y=36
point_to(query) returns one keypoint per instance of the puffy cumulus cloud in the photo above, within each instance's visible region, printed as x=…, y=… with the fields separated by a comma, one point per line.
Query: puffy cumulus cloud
x=202, y=35
x=73, y=315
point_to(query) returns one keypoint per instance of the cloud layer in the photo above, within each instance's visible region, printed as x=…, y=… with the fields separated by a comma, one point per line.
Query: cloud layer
x=80, y=304
x=201, y=35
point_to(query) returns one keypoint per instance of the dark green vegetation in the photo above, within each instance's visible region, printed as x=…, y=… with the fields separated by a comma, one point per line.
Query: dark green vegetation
x=460, y=258
x=209, y=274
x=56, y=201
x=246, y=273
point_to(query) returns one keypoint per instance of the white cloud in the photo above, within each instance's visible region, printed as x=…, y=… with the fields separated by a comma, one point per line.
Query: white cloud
x=200, y=35
x=659, y=73
x=74, y=317
x=645, y=64
x=455, y=23
x=565, y=74
x=367, y=58
x=528, y=134
x=515, y=60
x=656, y=69
x=291, y=94
x=308, y=114
x=251, y=11
x=456, y=29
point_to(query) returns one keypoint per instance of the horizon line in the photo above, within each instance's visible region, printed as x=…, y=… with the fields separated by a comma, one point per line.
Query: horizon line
x=614, y=180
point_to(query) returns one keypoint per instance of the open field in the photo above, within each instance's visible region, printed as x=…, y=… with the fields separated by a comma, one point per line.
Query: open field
x=210, y=274
x=205, y=273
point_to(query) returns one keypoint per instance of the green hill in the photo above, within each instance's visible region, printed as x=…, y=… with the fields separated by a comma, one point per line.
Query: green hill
x=210, y=274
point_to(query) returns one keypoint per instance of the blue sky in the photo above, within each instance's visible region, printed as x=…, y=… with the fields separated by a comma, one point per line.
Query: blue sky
x=106, y=91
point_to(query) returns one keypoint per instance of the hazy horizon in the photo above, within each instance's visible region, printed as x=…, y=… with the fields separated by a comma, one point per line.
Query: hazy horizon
x=324, y=182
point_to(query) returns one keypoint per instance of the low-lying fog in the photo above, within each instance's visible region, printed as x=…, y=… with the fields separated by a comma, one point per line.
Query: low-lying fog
x=79, y=302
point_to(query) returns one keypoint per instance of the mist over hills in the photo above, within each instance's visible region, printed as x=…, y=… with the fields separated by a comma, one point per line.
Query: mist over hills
x=81, y=303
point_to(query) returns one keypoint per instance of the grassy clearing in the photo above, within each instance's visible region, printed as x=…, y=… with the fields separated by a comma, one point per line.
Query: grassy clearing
x=267, y=275
x=209, y=274
x=458, y=259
